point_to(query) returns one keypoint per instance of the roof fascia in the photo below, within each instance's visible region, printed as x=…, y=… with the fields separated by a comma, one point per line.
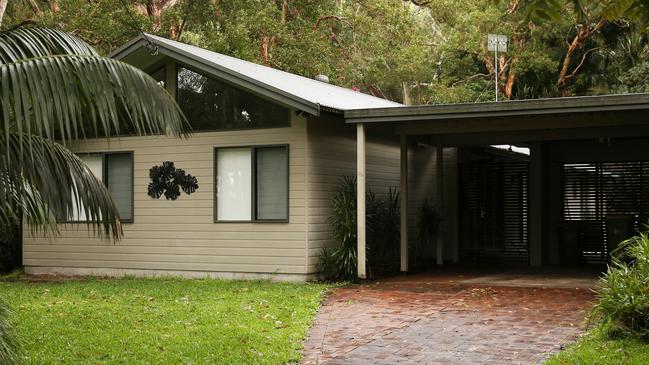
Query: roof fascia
x=504, y=109
x=127, y=48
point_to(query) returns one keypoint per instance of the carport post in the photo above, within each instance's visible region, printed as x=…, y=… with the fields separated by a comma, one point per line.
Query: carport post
x=360, y=199
x=440, y=203
x=403, y=198
x=536, y=204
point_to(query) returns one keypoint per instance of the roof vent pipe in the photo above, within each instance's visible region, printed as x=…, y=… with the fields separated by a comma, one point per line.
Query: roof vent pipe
x=322, y=78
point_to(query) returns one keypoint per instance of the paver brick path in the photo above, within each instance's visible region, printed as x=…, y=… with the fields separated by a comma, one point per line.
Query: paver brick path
x=437, y=322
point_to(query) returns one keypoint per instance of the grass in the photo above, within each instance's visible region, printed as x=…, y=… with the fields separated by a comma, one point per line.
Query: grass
x=161, y=321
x=598, y=348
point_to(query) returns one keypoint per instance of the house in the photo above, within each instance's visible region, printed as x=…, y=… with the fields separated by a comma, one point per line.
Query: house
x=273, y=144
x=551, y=182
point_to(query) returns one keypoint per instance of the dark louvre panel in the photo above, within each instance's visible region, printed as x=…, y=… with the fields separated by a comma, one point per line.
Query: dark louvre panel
x=604, y=203
x=494, y=212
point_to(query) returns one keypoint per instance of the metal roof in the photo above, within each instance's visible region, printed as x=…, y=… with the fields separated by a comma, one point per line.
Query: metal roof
x=578, y=104
x=293, y=90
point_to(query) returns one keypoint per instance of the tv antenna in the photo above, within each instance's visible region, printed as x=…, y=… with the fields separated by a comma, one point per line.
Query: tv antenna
x=495, y=43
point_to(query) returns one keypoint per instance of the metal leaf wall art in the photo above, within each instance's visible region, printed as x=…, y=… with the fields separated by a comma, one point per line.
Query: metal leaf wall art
x=167, y=180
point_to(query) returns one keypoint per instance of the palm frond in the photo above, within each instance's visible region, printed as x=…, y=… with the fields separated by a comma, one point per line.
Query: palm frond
x=70, y=97
x=51, y=181
x=9, y=344
x=32, y=42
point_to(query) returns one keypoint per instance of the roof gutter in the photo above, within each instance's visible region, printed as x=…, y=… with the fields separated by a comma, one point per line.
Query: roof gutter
x=582, y=104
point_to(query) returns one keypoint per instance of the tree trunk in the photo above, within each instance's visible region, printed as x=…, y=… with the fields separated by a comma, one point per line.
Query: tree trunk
x=269, y=41
x=266, y=49
x=54, y=5
x=407, y=100
x=565, y=65
x=3, y=8
x=34, y=5
x=511, y=79
x=155, y=9
x=577, y=42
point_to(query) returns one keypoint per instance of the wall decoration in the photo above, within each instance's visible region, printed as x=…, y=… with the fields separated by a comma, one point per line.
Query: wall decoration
x=167, y=180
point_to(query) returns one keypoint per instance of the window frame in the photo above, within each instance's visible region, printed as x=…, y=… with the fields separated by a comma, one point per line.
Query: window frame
x=160, y=66
x=179, y=65
x=253, y=183
x=104, y=180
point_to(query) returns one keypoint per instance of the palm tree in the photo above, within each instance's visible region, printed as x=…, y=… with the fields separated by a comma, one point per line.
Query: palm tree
x=55, y=88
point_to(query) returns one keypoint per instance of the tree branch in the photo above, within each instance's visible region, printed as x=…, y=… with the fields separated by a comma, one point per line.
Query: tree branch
x=468, y=78
x=341, y=19
x=581, y=63
x=418, y=2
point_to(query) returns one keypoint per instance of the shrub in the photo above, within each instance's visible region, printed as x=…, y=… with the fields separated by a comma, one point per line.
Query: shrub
x=327, y=266
x=383, y=219
x=624, y=291
x=343, y=226
x=8, y=341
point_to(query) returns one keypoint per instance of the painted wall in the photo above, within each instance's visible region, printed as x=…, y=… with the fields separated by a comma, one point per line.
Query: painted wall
x=331, y=154
x=181, y=235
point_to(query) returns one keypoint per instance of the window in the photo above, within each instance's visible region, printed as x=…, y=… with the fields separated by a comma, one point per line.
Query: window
x=118, y=177
x=116, y=171
x=213, y=105
x=251, y=184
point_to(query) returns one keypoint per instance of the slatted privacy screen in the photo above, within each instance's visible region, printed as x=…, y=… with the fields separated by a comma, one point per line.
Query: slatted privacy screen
x=603, y=203
x=494, y=216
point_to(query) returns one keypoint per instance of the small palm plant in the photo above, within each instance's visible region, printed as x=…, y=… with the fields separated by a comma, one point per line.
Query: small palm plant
x=54, y=89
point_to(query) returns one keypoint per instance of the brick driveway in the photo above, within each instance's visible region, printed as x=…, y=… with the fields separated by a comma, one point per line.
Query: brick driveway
x=424, y=321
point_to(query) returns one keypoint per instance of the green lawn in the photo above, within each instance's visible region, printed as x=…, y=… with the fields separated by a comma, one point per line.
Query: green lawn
x=596, y=348
x=162, y=321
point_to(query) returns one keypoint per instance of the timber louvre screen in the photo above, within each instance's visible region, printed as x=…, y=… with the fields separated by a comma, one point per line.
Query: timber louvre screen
x=604, y=203
x=494, y=223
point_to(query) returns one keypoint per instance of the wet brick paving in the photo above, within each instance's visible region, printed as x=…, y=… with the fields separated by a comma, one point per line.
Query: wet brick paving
x=424, y=321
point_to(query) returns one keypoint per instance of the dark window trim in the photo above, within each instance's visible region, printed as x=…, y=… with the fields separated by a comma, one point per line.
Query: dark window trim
x=289, y=121
x=162, y=66
x=104, y=179
x=253, y=184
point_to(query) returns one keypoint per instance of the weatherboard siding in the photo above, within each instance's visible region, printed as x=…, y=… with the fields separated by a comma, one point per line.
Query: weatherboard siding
x=422, y=184
x=181, y=235
x=331, y=154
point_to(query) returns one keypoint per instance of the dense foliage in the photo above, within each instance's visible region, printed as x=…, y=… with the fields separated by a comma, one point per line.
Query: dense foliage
x=339, y=263
x=383, y=232
x=383, y=226
x=411, y=51
x=624, y=291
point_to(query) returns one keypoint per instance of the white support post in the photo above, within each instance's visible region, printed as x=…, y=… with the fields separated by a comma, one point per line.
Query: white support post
x=403, y=197
x=440, y=203
x=360, y=199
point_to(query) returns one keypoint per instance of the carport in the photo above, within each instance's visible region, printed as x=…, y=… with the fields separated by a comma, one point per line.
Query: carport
x=548, y=182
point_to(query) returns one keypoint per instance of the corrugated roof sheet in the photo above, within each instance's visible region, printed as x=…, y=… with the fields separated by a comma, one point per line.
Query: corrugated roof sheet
x=323, y=94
